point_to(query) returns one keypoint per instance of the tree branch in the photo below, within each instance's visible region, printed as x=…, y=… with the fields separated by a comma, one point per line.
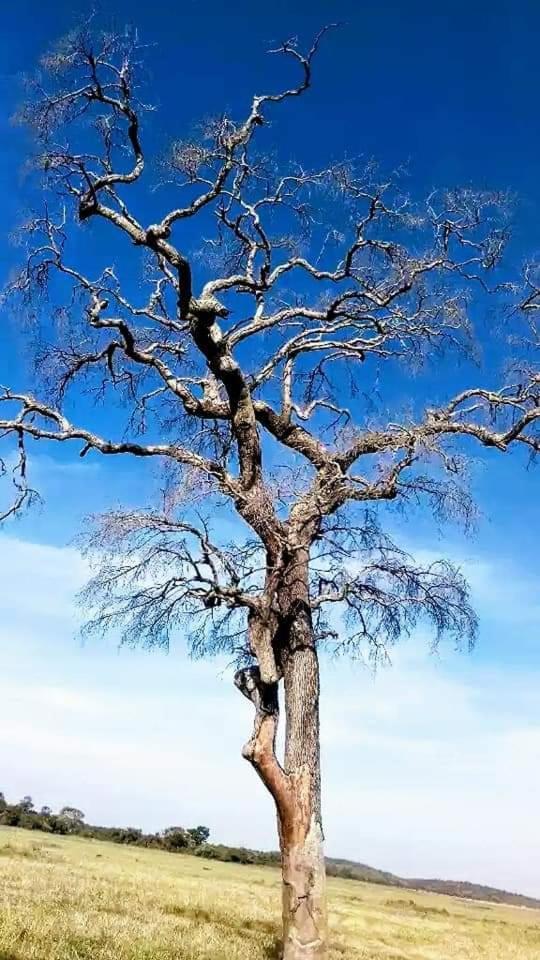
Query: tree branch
x=260, y=748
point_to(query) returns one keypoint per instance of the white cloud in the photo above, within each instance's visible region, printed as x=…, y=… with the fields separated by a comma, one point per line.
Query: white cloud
x=441, y=777
x=430, y=768
x=501, y=588
x=39, y=578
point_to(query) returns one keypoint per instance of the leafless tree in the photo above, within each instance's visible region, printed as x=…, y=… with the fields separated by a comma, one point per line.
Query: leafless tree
x=247, y=388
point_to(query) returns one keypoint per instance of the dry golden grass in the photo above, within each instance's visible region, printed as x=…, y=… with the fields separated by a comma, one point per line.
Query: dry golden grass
x=70, y=899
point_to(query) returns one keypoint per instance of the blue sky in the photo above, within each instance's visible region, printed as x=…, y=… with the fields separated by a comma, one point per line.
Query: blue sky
x=431, y=768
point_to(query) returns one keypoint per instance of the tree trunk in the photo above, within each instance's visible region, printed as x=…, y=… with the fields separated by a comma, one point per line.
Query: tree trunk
x=286, y=649
x=304, y=879
x=301, y=834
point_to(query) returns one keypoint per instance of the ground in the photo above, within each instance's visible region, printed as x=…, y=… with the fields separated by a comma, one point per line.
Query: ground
x=63, y=898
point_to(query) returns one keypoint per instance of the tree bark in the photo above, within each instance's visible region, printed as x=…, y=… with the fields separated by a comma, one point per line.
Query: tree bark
x=305, y=932
x=286, y=650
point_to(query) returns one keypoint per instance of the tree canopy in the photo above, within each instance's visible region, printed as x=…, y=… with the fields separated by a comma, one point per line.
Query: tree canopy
x=257, y=387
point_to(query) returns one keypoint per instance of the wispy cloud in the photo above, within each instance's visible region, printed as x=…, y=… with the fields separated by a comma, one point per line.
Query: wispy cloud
x=431, y=767
x=39, y=579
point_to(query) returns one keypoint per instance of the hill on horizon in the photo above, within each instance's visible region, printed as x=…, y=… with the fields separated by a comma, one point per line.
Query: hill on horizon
x=464, y=889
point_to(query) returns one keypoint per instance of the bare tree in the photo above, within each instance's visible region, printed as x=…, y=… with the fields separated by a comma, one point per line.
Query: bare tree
x=249, y=388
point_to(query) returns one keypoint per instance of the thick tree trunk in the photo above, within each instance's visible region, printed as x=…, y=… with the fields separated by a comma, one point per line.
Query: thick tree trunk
x=305, y=935
x=304, y=896
x=284, y=647
x=301, y=834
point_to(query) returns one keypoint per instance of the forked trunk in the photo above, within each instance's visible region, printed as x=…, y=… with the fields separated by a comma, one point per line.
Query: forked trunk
x=285, y=648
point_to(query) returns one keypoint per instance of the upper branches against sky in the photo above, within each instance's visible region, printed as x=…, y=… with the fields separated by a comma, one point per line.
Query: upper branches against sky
x=291, y=312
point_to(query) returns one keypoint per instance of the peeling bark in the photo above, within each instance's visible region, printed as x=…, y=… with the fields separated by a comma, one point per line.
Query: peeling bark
x=301, y=833
x=305, y=930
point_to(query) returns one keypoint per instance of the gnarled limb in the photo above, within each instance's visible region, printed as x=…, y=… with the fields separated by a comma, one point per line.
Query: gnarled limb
x=260, y=748
x=43, y=422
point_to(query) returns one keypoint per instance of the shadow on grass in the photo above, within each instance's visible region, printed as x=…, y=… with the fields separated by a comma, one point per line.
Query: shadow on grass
x=247, y=927
x=272, y=952
x=275, y=950
x=216, y=917
x=8, y=850
x=422, y=909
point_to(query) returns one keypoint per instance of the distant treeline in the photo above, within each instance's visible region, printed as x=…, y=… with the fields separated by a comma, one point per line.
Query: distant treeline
x=194, y=840
x=71, y=820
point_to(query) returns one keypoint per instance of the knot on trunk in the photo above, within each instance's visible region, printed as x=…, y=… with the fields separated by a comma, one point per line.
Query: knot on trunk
x=207, y=308
x=156, y=232
x=87, y=207
x=264, y=696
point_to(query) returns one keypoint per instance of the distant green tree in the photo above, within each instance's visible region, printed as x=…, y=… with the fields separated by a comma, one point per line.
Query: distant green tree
x=73, y=818
x=199, y=835
x=176, y=838
x=123, y=834
x=27, y=804
x=56, y=824
x=132, y=835
x=11, y=817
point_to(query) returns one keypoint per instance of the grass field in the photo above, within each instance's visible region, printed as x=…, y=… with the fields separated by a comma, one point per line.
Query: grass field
x=63, y=898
